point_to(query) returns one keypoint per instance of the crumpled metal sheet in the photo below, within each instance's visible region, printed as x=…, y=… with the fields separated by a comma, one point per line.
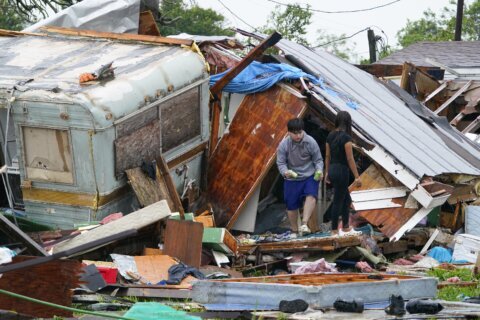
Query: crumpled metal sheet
x=119, y=16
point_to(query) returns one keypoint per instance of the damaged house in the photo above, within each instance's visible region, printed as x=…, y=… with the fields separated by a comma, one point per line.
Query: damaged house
x=416, y=156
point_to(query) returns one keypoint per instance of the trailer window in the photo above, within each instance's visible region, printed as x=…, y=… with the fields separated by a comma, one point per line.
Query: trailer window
x=47, y=155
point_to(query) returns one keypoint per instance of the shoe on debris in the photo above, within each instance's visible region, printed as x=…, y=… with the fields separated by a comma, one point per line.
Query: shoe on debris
x=350, y=233
x=356, y=305
x=396, y=307
x=424, y=306
x=304, y=229
x=293, y=306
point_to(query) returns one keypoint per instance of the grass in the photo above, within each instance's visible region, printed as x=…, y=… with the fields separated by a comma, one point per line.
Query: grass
x=453, y=292
x=463, y=273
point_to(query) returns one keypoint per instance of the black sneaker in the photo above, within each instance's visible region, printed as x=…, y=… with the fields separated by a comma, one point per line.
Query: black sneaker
x=396, y=307
x=356, y=305
x=293, y=306
x=424, y=306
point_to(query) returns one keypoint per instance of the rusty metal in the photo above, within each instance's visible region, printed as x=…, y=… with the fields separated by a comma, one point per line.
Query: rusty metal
x=245, y=154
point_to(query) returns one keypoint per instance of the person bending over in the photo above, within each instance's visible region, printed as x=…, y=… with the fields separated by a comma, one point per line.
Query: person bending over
x=301, y=164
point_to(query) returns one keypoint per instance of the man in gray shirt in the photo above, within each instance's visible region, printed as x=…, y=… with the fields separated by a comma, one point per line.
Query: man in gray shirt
x=301, y=164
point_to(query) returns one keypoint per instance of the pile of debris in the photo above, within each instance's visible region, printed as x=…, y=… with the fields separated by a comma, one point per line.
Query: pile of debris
x=155, y=168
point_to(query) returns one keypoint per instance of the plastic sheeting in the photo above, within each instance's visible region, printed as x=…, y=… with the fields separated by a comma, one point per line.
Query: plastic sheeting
x=258, y=77
x=119, y=16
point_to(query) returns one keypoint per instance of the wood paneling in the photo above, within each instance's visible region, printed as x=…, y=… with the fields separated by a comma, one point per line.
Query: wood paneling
x=244, y=155
x=183, y=240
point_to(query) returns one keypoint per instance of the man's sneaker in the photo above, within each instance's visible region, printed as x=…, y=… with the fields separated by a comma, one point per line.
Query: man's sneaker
x=304, y=229
x=350, y=233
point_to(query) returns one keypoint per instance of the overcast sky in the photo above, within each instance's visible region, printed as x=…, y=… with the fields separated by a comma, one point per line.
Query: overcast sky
x=390, y=19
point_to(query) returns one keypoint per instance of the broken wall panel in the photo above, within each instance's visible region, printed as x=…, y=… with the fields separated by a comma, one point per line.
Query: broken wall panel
x=388, y=220
x=52, y=281
x=180, y=117
x=244, y=154
x=142, y=144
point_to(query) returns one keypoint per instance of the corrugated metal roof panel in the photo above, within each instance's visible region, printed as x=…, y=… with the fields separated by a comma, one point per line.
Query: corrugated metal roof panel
x=383, y=116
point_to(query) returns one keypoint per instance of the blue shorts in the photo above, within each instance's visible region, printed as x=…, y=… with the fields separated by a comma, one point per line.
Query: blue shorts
x=295, y=191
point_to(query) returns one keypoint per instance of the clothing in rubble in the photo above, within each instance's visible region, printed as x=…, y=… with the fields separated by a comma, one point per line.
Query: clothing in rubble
x=178, y=272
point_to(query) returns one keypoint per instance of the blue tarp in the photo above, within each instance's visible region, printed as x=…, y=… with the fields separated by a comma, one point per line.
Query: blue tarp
x=258, y=77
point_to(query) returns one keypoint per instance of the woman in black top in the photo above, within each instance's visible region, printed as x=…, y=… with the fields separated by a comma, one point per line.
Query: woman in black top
x=338, y=160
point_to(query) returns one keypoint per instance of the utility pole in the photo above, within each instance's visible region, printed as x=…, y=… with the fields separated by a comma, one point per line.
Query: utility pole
x=372, y=48
x=458, y=21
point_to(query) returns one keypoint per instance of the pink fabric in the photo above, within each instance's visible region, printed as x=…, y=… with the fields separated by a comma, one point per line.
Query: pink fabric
x=316, y=266
x=111, y=217
x=454, y=279
x=416, y=258
x=363, y=266
x=403, y=262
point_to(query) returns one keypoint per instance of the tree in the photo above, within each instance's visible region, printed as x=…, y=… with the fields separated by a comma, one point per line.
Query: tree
x=9, y=19
x=178, y=17
x=441, y=27
x=31, y=10
x=291, y=23
x=336, y=45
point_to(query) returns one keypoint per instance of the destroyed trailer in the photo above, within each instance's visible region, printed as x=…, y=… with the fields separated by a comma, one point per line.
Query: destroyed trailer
x=71, y=142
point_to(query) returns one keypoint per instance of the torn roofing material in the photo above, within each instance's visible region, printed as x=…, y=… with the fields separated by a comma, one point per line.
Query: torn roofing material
x=381, y=115
x=450, y=53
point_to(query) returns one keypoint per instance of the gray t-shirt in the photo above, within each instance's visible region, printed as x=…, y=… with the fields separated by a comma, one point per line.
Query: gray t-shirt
x=303, y=157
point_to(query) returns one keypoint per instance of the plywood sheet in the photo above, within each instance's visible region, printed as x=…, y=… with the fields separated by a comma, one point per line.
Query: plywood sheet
x=142, y=144
x=244, y=155
x=154, y=268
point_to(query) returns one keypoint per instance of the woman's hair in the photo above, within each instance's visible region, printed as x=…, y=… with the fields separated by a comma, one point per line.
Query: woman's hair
x=343, y=121
x=295, y=125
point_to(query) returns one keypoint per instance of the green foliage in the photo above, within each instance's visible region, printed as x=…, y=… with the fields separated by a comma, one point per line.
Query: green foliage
x=441, y=27
x=9, y=18
x=31, y=10
x=463, y=273
x=179, y=17
x=291, y=23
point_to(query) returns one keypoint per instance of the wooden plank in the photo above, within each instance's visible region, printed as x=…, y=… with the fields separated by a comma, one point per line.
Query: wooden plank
x=430, y=241
x=12, y=231
x=117, y=36
x=147, y=24
x=375, y=204
x=183, y=240
x=135, y=220
x=434, y=93
x=256, y=52
x=452, y=98
x=232, y=73
x=172, y=191
x=245, y=154
x=147, y=190
x=378, y=194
